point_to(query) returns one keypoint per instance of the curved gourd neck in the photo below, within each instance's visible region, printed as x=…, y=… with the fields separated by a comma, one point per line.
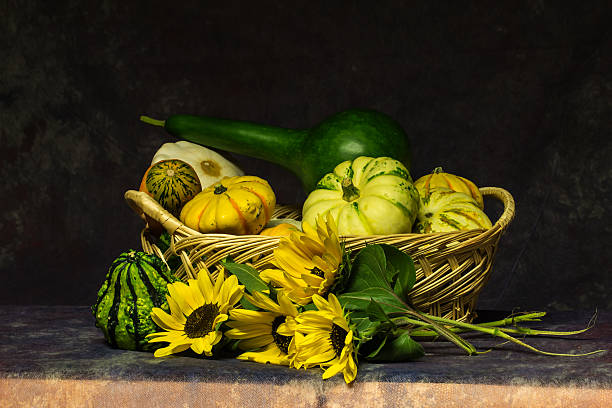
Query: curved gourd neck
x=275, y=144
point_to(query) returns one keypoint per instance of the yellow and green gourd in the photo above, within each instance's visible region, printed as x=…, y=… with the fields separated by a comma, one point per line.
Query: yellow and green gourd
x=365, y=196
x=438, y=178
x=445, y=210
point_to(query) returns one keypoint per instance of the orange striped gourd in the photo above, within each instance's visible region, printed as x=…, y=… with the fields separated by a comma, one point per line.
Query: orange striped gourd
x=235, y=205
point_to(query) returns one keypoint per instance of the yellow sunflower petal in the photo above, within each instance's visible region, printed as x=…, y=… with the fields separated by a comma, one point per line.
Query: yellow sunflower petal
x=263, y=302
x=196, y=293
x=292, y=263
x=219, y=283
x=210, y=340
x=198, y=345
x=287, y=307
x=312, y=280
x=350, y=371
x=247, y=332
x=270, y=354
x=233, y=292
x=333, y=370
x=164, y=320
x=285, y=330
x=175, y=310
x=206, y=287
x=171, y=349
x=252, y=316
x=272, y=275
x=173, y=337
x=175, y=292
x=220, y=318
x=335, y=306
x=256, y=342
x=320, y=358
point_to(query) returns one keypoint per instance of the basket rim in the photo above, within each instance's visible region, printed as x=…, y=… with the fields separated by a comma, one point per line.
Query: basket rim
x=151, y=211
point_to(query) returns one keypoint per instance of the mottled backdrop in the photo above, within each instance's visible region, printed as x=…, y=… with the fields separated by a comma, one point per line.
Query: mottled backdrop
x=510, y=94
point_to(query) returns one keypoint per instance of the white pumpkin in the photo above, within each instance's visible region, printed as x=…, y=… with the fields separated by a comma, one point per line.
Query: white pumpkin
x=366, y=196
x=209, y=165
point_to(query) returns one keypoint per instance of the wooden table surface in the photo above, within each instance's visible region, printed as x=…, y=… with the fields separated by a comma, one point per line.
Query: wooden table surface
x=55, y=356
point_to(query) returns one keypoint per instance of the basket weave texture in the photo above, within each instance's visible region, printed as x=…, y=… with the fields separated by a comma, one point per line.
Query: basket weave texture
x=451, y=268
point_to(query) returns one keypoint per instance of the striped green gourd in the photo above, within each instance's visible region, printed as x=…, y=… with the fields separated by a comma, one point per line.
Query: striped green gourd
x=445, y=210
x=172, y=183
x=135, y=283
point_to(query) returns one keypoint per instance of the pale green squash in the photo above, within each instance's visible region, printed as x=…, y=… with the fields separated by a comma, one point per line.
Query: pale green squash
x=365, y=196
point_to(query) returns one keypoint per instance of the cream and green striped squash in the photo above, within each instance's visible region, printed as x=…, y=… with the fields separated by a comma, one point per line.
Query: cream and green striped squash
x=365, y=196
x=445, y=210
x=172, y=183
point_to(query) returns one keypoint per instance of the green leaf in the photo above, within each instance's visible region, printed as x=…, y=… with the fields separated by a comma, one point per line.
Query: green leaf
x=343, y=274
x=400, y=348
x=308, y=307
x=247, y=275
x=244, y=302
x=400, y=270
x=376, y=312
x=376, y=347
x=382, y=266
x=368, y=270
x=364, y=327
x=385, y=298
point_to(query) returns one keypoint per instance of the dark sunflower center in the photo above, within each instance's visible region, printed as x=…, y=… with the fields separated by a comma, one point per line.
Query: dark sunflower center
x=200, y=322
x=337, y=337
x=317, y=272
x=281, y=341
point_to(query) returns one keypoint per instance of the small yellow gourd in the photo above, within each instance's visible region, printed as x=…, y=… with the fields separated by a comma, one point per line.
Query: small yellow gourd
x=235, y=205
x=438, y=178
x=281, y=230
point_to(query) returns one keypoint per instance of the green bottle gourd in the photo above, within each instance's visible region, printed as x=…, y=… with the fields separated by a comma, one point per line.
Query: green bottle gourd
x=308, y=153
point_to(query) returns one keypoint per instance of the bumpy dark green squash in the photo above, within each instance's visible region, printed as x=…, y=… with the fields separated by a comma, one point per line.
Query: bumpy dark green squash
x=135, y=283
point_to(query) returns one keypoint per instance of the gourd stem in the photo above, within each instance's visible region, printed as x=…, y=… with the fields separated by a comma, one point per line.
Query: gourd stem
x=151, y=121
x=349, y=191
x=438, y=170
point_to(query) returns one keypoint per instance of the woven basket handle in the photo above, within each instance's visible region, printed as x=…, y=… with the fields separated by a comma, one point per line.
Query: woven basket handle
x=507, y=200
x=148, y=209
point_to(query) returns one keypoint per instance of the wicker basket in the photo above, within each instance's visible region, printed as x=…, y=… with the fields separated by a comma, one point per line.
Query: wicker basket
x=452, y=268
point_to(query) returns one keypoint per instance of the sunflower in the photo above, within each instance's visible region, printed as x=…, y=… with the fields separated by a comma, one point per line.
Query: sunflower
x=268, y=334
x=323, y=337
x=197, y=309
x=308, y=261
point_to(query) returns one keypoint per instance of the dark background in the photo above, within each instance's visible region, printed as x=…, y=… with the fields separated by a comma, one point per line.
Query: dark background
x=514, y=94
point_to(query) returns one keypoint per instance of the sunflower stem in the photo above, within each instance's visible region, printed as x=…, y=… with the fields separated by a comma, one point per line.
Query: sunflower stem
x=493, y=331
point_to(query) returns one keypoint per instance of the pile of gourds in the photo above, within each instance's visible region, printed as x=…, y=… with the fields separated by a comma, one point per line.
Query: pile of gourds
x=354, y=166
